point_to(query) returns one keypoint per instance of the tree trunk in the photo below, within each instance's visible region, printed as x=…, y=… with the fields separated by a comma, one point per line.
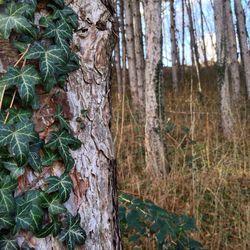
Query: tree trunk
x=222, y=64
x=232, y=56
x=242, y=35
x=174, y=49
x=131, y=53
x=155, y=155
x=118, y=53
x=194, y=47
x=94, y=194
x=139, y=55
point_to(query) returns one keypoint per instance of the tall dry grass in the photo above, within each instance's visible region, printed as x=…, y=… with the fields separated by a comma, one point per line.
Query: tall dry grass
x=210, y=177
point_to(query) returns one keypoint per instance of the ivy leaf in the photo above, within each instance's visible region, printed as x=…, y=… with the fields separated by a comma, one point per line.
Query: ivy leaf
x=60, y=118
x=62, y=141
x=31, y=10
x=50, y=58
x=8, y=244
x=18, y=115
x=25, y=79
x=53, y=204
x=72, y=234
x=34, y=156
x=49, y=157
x=72, y=65
x=29, y=214
x=66, y=15
x=61, y=33
x=51, y=228
x=15, y=170
x=7, y=187
x=60, y=3
x=18, y=138
x=61, y=184
x=6, y=221
x=15, y=19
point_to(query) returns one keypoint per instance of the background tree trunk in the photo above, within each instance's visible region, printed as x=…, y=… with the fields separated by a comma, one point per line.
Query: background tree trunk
x=139, y=54
x=174, y=49
x=155, y=155
x=131, y=53
x=223, y=77
x=242, y=35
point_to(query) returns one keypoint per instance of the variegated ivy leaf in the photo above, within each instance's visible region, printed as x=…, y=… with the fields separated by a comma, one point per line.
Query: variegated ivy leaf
x=61, y=33
x=17, y=137
x=66, y=15
x=8, y=243
x=14, y=18
x=25, y=79
x=52, y=202
x=60, y=118
x=18, y=115
x=51, y=228
x=49, y=157
x=50, y=59
x=63, y=185
x=29, y=213
x=7, y=187
x=15, y=170
x=6, y=221
x=62, y=141
x=72, y=234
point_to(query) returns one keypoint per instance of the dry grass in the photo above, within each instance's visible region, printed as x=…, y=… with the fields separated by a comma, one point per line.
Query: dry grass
x=210, y=177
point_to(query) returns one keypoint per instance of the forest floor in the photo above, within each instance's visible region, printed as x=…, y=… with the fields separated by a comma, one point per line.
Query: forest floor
x=210, y=177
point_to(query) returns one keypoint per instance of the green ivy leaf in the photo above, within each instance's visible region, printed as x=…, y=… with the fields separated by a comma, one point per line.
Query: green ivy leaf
x=62, y=141
x=15, y=19
x=18, y=115
x=60, y=3
x=15, y=170
x=8, y=244
x=25, y=79
x=51, y=228
x=72, y=234
x=18, y=138
x=53, y=204
x=7, y=187
x=61, y=33
x=66, y=15
x=49, y=157
x=34, y=156
x=60, y=118
x=6, y=221
x=61, y=184
x=50, y=58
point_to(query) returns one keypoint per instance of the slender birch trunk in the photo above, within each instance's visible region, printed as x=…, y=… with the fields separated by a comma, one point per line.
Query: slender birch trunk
x=194, y=47
x=244, y=48
x=174, y=48
x=204, y=49
x=232, y=49
x=155, y=155
x=222, y=64
x=183, y=41
x=131, y=53
x=118, y=53
x=139, y=54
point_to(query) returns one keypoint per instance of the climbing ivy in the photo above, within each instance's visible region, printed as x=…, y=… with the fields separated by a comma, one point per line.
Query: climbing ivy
x=45, y=61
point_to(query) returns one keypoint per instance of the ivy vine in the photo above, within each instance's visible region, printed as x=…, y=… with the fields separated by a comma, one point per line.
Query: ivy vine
x=45, y=61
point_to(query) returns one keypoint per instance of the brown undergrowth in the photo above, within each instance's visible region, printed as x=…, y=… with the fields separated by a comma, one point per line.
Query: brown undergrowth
x=210, y=177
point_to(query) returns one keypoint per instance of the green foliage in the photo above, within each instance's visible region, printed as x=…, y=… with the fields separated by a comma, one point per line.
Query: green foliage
x=139, y=218
x=46, y=61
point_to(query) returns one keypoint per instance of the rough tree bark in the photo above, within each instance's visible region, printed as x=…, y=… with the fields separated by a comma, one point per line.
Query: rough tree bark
x=131, y=53
x=139, y=55
x=242, y=35
x=222, y=64
x=232, y=52
x=174, y=49
x=155, y=155
x=94, y=176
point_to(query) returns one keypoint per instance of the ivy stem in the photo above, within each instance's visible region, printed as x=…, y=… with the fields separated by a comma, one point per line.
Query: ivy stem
x=4, y=87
